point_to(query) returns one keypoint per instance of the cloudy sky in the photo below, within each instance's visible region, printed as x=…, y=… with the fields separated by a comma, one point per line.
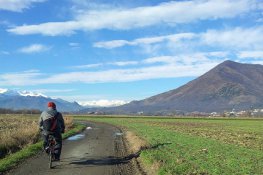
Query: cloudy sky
x=100, y=51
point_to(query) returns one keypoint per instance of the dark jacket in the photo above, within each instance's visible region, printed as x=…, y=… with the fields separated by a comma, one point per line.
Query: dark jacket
x=45, y=121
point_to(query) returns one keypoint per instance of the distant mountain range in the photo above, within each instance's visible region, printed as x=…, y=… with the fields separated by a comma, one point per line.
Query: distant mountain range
x=11, y=99
x=229, y=85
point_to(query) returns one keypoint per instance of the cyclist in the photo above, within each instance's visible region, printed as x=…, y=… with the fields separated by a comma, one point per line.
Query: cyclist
x=51, y=122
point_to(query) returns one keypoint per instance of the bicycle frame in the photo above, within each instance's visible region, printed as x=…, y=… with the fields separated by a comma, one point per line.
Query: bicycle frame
x=51, y=146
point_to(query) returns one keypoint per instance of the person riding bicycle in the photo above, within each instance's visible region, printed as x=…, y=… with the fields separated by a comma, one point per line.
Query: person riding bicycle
x=51, y=122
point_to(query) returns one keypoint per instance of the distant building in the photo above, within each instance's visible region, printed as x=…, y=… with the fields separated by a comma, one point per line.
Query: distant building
x=214, y=114
x=140, y=113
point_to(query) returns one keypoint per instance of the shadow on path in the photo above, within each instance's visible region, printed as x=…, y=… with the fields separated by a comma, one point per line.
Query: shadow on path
x=113, y=160
x=110, y=160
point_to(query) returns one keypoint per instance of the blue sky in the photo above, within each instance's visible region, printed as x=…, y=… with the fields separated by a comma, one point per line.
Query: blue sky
x=113, y=51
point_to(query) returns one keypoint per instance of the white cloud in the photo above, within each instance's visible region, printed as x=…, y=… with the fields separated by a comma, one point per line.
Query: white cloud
x=34, y=48
x=20, y=78
x=81, y=98
x=87, y=66
x=171, y=67
x=161, y=59
x=144, y=41
x=111, y=44
x=230, y=39
x=251, y=54
x=186, y=59
x=50, y=28
x=117, y=63
x=128, y=75
x=124, y=63
x=251, y=38
x=103, y=103
x=122, y=19
x=220, y=54
x=53, y=90
x=74, y=44
x=17, y=5
x=257, y=62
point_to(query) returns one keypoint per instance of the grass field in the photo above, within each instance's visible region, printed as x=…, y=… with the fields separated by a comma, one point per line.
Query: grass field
x=197, y=146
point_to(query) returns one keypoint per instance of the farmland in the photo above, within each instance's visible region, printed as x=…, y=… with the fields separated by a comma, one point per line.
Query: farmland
x=174, y=145
x=197, y=146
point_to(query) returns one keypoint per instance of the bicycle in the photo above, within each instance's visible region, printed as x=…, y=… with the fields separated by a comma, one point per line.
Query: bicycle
x=51, y=149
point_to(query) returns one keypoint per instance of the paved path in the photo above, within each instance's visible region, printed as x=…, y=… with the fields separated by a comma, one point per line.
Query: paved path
x=99, y=150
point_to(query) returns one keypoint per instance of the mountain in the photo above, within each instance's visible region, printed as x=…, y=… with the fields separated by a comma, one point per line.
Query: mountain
x=229, y=85
x=11, y=99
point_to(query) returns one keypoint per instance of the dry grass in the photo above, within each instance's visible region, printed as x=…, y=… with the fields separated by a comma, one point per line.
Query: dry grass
x=68, y=122
x=136, y=144
x=18, y=131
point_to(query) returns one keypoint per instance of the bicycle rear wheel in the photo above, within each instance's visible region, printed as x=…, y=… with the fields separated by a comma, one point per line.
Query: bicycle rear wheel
x=50, y=159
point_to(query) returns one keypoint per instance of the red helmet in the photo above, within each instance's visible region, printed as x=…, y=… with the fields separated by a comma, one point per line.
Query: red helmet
x=51, y=104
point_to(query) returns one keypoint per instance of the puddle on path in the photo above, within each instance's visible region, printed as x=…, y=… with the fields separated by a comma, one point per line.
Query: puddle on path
x=88, y=128
x=118, y=134
x=76, y=137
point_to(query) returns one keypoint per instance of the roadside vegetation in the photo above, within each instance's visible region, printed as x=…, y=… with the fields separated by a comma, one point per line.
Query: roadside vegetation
x=20, y=138
x=18, y=131
x=15, y=133
x=197, y=146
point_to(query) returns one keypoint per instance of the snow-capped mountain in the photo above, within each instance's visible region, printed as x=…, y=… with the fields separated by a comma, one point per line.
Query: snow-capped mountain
x=32, y=94
x=9, y=92
x=12, y=99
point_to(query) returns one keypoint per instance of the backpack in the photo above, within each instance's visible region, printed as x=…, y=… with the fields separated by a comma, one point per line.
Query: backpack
x=51, y=124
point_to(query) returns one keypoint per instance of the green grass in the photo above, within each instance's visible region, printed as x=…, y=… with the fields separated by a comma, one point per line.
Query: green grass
x=13, y=159
x=198, y=146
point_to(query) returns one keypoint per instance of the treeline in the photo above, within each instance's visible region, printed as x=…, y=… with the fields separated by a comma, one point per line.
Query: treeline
x=19, y=111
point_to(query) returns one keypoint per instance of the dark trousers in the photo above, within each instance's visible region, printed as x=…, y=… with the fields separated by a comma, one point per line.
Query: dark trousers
x=58, y=147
